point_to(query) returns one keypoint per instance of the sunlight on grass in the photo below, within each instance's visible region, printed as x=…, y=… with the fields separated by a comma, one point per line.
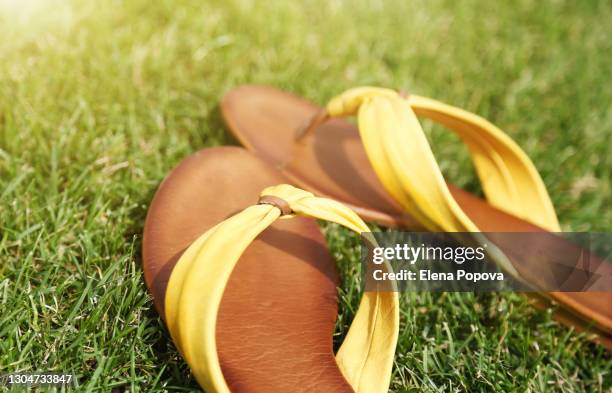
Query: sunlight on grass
x=27, y=17
x=26, y=8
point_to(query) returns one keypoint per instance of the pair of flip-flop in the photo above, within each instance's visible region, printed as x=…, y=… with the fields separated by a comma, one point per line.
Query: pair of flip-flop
x=240, y=271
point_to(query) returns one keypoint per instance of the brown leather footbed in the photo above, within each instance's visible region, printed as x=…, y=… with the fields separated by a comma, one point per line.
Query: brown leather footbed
x=277, y=315
x=331, y=162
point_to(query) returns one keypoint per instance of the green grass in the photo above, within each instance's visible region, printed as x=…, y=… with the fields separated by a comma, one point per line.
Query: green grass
x=100, y=99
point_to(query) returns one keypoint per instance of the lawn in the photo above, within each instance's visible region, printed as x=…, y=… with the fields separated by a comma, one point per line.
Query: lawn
x=99, y=100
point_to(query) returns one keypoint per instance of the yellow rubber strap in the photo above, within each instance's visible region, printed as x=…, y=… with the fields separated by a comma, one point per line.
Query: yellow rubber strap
x=402, y=159
x=199, y=279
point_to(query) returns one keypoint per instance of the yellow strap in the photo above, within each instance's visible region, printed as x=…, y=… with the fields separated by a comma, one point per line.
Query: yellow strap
x=402, y=158
x=198, y=280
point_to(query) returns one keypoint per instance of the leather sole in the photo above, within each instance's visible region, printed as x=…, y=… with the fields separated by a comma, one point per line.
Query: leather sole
x=277, y=315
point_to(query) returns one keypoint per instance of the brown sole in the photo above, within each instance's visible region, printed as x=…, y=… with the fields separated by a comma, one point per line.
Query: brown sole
x=277, y=315
x=332, y=162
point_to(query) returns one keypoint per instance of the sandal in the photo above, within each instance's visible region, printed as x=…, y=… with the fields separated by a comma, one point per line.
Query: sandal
x=386, y=172
x=250, y=299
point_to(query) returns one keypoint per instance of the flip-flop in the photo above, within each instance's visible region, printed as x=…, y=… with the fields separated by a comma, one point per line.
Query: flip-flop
x=392, y=178
x=249, y=300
